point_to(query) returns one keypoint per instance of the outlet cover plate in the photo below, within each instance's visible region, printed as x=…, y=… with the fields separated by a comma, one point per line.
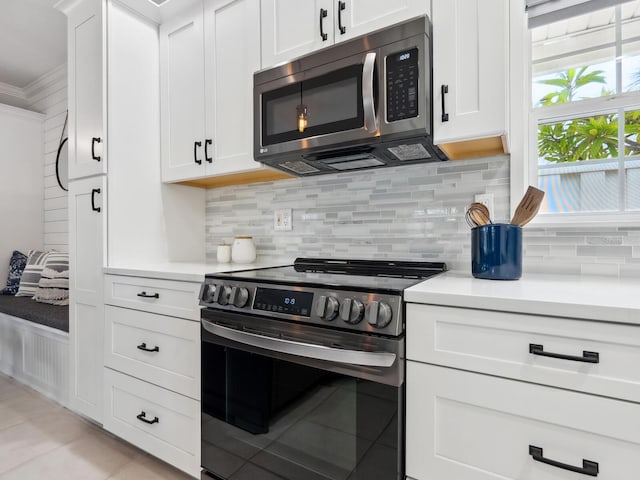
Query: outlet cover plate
x=486, y=199
x=282, y=220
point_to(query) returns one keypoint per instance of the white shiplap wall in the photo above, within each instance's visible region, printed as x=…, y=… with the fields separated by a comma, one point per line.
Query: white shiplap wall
x=48, y=95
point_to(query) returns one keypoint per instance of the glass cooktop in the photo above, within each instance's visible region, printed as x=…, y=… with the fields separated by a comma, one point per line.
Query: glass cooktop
x=353, y=274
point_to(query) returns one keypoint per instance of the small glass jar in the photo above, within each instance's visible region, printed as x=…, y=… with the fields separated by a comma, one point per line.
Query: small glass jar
x=243, y=249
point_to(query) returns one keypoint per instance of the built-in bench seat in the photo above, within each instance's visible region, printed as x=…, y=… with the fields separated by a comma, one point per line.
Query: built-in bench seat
x=53, y=316
x=34, y=345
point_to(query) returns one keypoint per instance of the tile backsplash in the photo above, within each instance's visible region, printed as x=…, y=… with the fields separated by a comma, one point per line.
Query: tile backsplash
x=404, y=213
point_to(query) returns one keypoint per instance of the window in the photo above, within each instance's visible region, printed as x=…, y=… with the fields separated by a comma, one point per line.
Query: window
x=585, y=113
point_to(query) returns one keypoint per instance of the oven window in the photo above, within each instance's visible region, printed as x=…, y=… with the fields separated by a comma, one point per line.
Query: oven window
x=333, y=104
x=264, y=418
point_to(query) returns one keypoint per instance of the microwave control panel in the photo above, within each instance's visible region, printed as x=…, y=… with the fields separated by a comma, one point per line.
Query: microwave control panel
x=402, y=85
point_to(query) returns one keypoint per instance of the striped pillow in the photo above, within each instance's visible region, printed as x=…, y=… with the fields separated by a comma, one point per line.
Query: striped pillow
x=31, y=274
x=53, y=287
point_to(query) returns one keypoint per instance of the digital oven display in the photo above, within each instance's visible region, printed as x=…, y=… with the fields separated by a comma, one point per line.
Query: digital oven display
x=283, y=301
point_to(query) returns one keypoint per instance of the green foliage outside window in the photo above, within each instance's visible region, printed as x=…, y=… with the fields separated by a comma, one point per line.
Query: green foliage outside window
x=588, y=138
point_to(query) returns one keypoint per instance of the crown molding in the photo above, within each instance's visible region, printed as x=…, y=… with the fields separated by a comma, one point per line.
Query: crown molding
x=20, y=112
x=65, y=5
x=10, y=90
x=45, y=81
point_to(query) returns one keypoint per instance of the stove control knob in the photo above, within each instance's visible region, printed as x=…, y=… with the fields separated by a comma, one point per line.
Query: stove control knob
x=239, y=296
x=351, y=310
x=378, y=314
x=327, y=308
x=208, y=291
x=222, y=295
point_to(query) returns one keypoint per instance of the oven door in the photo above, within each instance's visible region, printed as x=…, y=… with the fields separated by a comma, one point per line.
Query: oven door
x=284, y=401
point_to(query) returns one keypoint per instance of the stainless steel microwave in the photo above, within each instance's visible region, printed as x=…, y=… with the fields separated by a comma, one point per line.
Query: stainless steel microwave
x=359, y=104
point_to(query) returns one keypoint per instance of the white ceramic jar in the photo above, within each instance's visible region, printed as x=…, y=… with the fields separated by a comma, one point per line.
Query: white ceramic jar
x=223, y=253
x=243, y=249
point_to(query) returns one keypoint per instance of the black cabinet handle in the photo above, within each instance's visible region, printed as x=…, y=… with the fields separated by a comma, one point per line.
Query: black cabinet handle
x=95, y=140
x=143, y=418
x=588, y=468
x=323, y=14
x=144, y=294
x=341, y=7
x=587, y=357
x=444, y=89
x=195, y=152
x=93, y=199
x=207, y=142
x=143, y=347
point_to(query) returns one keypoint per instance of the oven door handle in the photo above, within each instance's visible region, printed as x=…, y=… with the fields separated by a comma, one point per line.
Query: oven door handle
x=368, y=100
x=308, y=350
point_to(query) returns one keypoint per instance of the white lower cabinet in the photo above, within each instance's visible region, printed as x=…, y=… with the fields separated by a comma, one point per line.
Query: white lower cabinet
x=153, y=418
x=152, y=367
x=468, y=426
x=158, y=349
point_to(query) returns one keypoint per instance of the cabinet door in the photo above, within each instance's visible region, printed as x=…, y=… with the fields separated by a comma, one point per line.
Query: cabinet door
x=291, y=28
x=182, y=96
x=86, y=324
x=468, y=426
x=470, y=39
x=357, y=17
x=87, y=155
x=233, y=55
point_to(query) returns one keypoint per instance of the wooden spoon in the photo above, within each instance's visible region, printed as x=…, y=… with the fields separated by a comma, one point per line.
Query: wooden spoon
x=478, y=214
x=528, y=206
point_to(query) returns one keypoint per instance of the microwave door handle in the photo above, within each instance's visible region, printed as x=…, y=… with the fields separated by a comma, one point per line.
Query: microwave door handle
x=308, y=350
x=368, y=101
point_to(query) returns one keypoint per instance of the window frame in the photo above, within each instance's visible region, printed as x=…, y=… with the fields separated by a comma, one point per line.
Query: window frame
x=523, y=130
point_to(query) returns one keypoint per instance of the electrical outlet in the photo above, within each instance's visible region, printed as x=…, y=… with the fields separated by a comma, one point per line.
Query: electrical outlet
x=487, y=200
x=282, y=220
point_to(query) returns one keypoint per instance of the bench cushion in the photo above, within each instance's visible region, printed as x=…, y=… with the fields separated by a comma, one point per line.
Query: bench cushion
x=54, y=316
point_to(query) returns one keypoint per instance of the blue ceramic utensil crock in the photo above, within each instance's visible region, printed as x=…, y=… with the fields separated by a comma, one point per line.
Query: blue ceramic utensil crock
x=496, y=251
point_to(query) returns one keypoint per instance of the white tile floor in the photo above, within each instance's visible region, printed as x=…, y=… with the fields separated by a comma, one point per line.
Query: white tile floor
x=41, y=440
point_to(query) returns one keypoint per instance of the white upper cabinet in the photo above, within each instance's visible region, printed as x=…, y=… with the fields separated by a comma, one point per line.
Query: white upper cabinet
x=232, y=55
x=291, y=28
x=208, y=57
x=86, y=66
x=357, y=17
x=470, y=50
x=182, y=90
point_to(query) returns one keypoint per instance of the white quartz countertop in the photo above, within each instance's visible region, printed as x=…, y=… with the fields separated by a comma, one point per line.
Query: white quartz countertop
x=595, y=298
x=184, y=271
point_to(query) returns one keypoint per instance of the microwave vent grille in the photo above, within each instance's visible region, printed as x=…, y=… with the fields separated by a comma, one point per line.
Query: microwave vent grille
x=406, y=152
x=299, y=167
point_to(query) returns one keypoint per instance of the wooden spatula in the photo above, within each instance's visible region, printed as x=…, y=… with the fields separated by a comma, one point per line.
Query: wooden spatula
x=528, y=206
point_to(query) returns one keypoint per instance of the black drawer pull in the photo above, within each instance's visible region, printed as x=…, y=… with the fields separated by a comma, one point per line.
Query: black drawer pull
x=207, y=142
x=587, y=357
x=195, y=152
x=148, y=295
x=93, y=199
x=95, y=140
x=444, y=89
x=143, y=418
x=143, y=347
x=323, y=14
x=341, y=6
x=588, y=468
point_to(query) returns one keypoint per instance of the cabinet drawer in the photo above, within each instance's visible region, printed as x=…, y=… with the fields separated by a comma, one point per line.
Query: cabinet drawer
x=469, y=426
x=167, y=297
x=174, y=437
x=155, y=348
x=499, y=343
